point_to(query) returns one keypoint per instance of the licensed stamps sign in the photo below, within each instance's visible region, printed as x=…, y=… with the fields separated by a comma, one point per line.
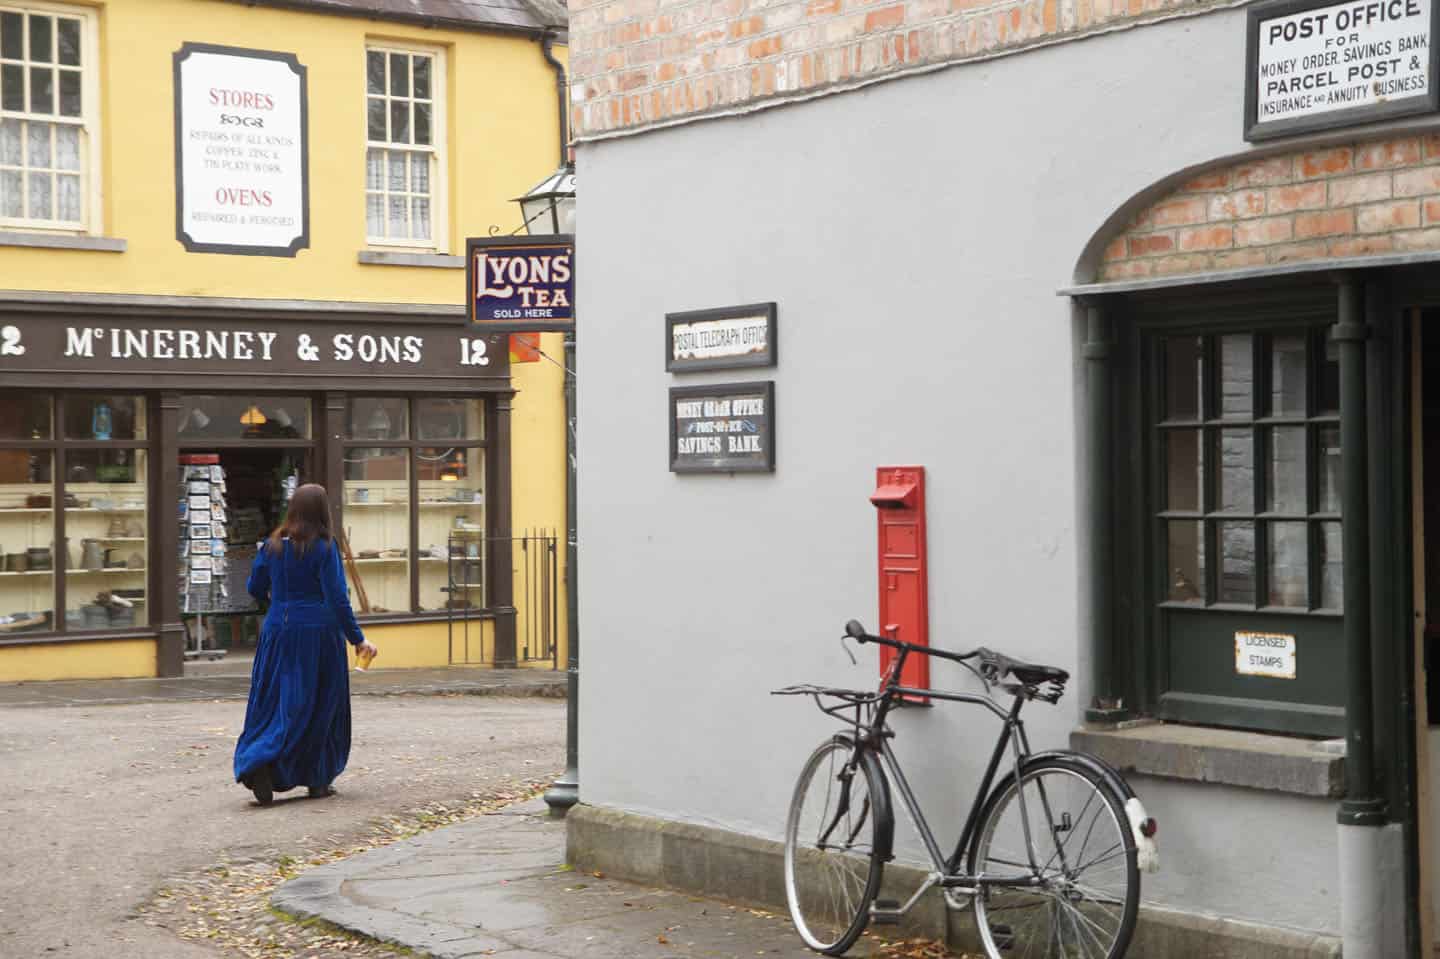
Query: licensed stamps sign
x=723, y=428
x=734, y=336
x=1265, y=654
x=241, y=154
x=1313, y=66
x=521, y=284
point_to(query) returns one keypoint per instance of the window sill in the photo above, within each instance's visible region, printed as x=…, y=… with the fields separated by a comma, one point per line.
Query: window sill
x=62, y=241
x=396, y=258
x=1287, y=764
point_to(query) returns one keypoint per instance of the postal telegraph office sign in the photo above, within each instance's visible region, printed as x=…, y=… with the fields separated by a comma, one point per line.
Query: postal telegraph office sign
x=521, y=284
x=1313, y=66
x=733, y=336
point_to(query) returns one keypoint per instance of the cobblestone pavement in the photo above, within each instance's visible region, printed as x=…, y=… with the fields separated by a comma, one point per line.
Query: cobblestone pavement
x=120, y=817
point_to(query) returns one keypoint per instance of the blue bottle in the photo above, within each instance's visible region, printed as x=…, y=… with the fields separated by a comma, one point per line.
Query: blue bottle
x=100, y=422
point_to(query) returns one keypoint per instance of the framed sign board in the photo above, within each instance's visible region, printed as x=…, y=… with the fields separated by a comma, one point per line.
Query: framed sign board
x=521, y=284
x=1315, y=66
x=730, y=337
x=242, y=182
x=723, y=428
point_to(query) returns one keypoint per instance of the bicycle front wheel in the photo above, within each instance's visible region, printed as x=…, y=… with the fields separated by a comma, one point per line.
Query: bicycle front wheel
x=1056, y=865
x=832, y=867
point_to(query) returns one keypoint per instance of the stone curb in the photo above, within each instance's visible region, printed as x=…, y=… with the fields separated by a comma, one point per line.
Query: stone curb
x=709, y=861
x=319, y=893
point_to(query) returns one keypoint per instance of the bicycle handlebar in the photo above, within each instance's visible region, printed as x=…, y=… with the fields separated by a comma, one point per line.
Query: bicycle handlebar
x=855, y=631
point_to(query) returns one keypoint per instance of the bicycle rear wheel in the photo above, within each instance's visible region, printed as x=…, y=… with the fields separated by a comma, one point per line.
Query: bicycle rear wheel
x=1076, y=891
x=832, y=867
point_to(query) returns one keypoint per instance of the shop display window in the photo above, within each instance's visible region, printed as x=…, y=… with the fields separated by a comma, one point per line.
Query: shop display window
x=414, y=509
x=104, y=417
x=378, y=418
x=91, y=559
x=237, y=417
x=25, y=416
x=27, y=537
x=449, y=419
x=451, y=485
x=377, y=527
x=106, y=535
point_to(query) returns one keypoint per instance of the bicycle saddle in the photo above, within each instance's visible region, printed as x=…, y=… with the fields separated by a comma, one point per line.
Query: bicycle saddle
x=995, y=666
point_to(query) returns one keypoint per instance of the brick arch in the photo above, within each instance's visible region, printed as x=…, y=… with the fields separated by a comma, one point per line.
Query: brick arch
x=1368, y=198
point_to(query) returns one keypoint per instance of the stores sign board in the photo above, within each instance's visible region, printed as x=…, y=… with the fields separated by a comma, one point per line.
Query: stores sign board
x=734, y=336
x=1314, y=66
x=241, y=178
x=1265, y=654
x=723, y=428
x=521, y=284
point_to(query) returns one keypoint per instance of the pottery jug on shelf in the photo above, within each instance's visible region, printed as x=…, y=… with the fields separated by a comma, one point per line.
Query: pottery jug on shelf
x=92, y=554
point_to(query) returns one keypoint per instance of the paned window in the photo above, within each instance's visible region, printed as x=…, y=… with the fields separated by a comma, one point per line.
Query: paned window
x=404, y=170
x=414, y=502
x=74, y=471
x=1249, y=437
x=46, y=135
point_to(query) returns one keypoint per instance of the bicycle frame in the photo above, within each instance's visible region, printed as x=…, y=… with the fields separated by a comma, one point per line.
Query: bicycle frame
x=947, y=870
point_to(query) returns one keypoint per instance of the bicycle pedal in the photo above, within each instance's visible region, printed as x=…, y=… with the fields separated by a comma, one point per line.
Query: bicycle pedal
x=885, y=912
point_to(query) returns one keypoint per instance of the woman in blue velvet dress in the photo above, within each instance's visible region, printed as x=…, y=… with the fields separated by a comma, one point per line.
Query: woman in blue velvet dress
x=297, y=723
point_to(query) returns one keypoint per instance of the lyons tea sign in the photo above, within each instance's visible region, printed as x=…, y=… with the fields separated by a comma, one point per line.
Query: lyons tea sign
x=521, y=284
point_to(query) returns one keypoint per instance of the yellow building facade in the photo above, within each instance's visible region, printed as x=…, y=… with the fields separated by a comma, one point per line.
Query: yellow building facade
x=232, y=244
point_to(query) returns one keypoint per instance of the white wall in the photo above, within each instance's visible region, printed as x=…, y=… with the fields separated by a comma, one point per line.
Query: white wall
x=914, y=235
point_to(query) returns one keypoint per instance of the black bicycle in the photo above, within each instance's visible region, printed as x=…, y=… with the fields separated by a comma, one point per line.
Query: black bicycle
x=1050, y=855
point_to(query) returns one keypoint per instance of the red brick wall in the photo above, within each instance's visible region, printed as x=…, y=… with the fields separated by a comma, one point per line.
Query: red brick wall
x=636, y=63
x=1380, y=196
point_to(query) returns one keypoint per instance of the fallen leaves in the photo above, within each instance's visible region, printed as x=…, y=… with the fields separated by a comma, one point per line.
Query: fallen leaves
x=228, y=904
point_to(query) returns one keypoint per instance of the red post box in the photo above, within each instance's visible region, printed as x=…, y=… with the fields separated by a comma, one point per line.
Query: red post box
x=899, y=500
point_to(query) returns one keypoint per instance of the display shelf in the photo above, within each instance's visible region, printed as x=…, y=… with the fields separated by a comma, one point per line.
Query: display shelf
x=388, y=504
x=381, y=559
x=27, y=509
x=110, y=509
x=29, y=572
x=118, y=539
x=447, y=504
x=113, y=569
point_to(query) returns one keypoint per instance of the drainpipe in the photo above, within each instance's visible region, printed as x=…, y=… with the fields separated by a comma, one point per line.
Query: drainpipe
x=1369, y=856
x=1361, y=807
x=1105, y=705
x=547, y=43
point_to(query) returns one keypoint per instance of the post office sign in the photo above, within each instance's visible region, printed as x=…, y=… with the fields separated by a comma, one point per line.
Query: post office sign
x=1317, y=65
x=1265, y=654
x=723, y=428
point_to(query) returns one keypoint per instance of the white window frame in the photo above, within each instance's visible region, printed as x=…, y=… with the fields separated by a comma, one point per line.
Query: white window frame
x=439, y=241
x=91, y=193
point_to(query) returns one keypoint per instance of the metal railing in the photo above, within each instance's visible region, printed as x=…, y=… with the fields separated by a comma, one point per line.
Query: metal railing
x=535, y=562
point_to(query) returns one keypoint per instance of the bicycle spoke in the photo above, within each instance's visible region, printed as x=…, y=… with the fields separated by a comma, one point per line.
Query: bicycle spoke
x=1059, y=917
x=831, y=874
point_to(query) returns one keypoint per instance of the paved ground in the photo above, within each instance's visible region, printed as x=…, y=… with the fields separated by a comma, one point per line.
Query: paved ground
x=497, y=886
x=103, y=804
x=382, y=682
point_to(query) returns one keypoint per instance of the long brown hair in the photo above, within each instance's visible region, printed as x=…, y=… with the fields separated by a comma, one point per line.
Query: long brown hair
x=306, y=519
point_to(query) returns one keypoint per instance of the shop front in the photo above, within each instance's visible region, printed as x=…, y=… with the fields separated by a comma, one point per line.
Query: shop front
x=146, y=446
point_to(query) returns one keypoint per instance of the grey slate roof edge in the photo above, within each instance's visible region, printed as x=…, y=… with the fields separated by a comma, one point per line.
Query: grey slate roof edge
x=532, y=17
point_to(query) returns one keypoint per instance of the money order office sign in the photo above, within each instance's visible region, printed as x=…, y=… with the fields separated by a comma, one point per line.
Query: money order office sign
x=1312, y=66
